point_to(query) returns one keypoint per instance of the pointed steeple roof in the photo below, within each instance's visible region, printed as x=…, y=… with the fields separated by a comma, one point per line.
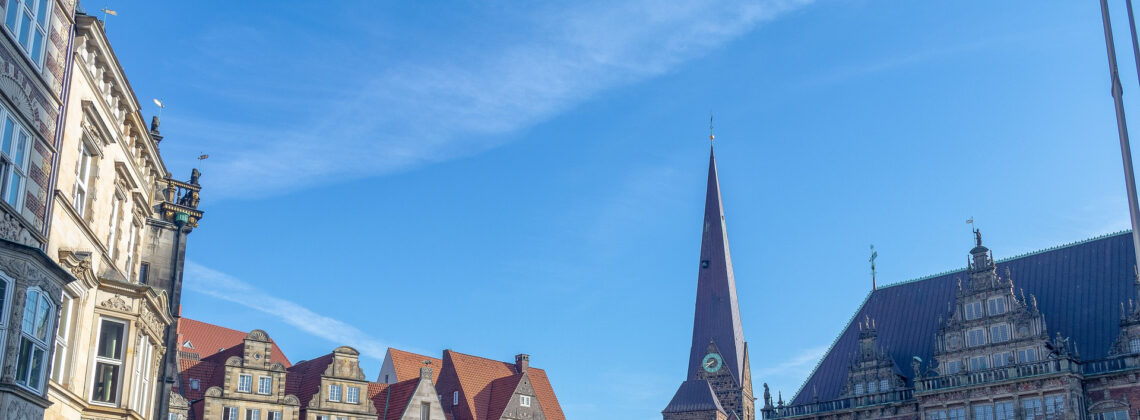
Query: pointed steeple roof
x=717, y=316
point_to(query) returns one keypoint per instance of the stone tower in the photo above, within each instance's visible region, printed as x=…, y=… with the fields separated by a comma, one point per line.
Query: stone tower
x=718, y=381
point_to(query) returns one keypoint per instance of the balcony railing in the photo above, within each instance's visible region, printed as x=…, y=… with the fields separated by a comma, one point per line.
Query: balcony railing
x=1023, y=370
x=840, y=404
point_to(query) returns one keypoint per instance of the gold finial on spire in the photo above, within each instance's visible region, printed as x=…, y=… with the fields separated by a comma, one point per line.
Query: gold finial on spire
x=711, y=136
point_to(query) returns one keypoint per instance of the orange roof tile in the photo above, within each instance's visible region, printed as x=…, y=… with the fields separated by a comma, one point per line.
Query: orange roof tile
x=208, y=339
x=408, y=364
x=473, y=376
x=392, y=399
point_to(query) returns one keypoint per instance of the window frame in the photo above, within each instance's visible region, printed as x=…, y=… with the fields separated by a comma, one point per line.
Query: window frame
x=144, y=351
x=5, y=309
x=41, y=13
x=253, y=414
x=118, y=388
x=337, y=394
x=352, y=395
x=14, y=163
x=1134, y=345
x=1008, y=333
x=261, y=381
x=977, y=313
x=1032, y=351
x=65, y=325
x=1004, y=357
x=524, y=400
x=82, y=188
x=242, y=380
x=454, y=397
x=1032, y=408
x=977, y=363
x=36, y=343
x=230, y=413
x=983, y=411
x=992, y=308
x=970, y=334
x=1005, y=410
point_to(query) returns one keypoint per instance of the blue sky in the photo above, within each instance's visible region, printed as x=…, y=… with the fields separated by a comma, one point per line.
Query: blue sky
x=498, y=178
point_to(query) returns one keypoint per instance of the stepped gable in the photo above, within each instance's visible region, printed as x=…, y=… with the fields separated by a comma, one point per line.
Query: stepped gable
x=1078, y=288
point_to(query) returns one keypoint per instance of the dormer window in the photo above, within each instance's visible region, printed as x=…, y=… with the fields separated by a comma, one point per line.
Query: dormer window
x=188, y=344
x=524, y=400
x=974, y=310
x=997, y=305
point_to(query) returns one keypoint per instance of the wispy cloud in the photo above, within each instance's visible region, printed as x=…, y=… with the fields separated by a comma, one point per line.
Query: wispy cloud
x=223, y=286
x=433, y=108
x=787, y=375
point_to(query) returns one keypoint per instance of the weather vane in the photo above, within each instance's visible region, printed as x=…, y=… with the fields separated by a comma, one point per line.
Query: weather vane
x=711, y=136
x=874, y=255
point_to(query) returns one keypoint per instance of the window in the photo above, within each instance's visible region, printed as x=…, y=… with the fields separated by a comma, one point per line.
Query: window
x=341, y=418
x=978, y=363
x=274, y=415
x=172, y=416
x=859, y=388
x=1134, y=345
x=108, y=362
x=253, y=414
x=82, y=179
x=195, y=384
x=1027, y=355
x=1054, y=406
x=5, y=301
x=455, y=398
x=353, y=395
x=983, y=412
x=245, y=383
x=958, y=413
x=113, y=232
x=141, y=384
x=1032, y=407
x=1112, y=415
x=264, y=385
x=134, y=231
x=1003, y=410
x=62, y=338
x=230, y=413
x=144, y=272
x=997, y=305
x=953, y=366
x=872, y=387
x=524, y=400
x=999, y=333
x=334, y=392
x=975, y=337
x=883, y=385
x=1003, y=359
x=974, y=310
x=34, y=336
x=425, y=411
x=27, y=20
x=13, y=159
x=936, y=415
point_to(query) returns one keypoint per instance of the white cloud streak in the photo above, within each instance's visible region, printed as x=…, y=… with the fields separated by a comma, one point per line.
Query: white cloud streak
x=800, y=364
x=436, y=108
x=222, y=286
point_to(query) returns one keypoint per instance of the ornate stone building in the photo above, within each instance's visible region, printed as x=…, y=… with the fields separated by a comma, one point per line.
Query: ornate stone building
x=718, y=383
x=1040, y=340
x=334, y=386
x=118, y=224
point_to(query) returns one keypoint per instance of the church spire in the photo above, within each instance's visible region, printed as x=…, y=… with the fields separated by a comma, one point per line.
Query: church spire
x=716, y=323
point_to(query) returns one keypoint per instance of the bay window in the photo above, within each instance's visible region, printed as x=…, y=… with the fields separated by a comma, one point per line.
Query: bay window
x=108, y=362
x=28, y=22
x=35, y=330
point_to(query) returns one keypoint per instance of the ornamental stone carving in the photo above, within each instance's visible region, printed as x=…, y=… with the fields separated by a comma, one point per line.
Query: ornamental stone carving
x=117, y=303
x=214, y=391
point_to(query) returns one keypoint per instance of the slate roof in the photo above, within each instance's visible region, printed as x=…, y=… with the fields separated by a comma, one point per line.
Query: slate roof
x=392, y=399
x=1079, y=289
x=408, y=364
x=693, y=395
x=474, y=376
x=717, y=313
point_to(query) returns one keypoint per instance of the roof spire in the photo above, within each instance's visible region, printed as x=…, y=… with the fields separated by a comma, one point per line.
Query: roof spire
x=711, y=136
x=874, y=255
x=717, y=313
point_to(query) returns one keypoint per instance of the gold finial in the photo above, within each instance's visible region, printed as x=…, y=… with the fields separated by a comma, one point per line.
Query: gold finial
x=711, y=136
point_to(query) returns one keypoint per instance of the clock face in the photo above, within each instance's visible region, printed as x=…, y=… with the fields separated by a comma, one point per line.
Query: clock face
x=712, y=363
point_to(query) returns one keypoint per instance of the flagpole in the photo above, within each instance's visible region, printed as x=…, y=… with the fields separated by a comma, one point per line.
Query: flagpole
x=1122, y=124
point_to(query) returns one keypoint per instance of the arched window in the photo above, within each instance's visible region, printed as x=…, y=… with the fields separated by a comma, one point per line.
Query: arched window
x=35, y=329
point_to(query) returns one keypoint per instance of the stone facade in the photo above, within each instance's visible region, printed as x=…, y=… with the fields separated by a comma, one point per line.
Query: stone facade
x=993, y=359
x=242, y=389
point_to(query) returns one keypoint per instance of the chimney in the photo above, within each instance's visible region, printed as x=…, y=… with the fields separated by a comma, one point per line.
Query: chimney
x=522, y=362
x=425, y=373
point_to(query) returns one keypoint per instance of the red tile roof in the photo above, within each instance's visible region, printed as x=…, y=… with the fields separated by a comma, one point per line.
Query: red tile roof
x=209, y=339
x=304, y=379
x=392, y=399
x=408, y=364
x=475, y=376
